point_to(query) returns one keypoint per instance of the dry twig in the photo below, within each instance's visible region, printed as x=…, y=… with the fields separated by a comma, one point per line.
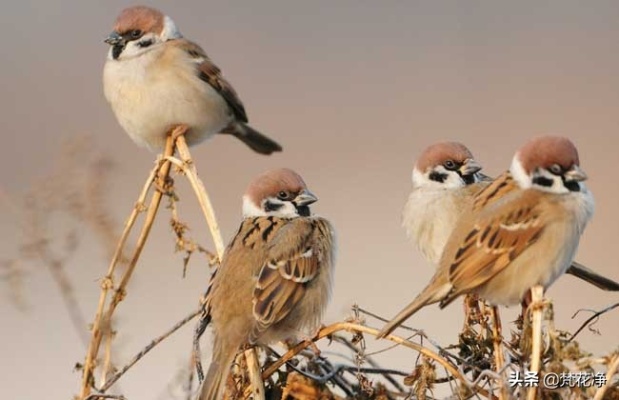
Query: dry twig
x=537, y=308
x=102, y=317
x=613, y=366
x=593, y=318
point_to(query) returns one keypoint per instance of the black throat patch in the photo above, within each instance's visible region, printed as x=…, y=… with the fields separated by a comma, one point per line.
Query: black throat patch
x=303, y=211
x=572, y=186
x=468, y=179
x=117, y=49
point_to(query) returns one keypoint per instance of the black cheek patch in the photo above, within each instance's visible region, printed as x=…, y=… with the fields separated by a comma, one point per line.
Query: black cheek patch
x=438, y=177
x=543, y=181
x=268, y=206
x=145, y=43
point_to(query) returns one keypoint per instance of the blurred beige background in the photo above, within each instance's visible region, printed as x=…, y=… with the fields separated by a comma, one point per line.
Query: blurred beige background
x=354, y=91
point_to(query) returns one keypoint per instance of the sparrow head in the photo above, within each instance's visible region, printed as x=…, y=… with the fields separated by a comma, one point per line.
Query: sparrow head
x=548, y=163
x=448, y=165
x=280, y=193
x=139, y=29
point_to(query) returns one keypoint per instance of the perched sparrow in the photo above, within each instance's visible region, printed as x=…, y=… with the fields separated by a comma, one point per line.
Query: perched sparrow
x=155, y=79
x=275, y=278
x=522, y=231
x=445, y=179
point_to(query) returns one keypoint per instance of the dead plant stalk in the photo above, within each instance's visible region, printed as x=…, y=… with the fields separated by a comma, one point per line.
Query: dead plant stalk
x=160, y=171
x=103, y=317
x=537, y=308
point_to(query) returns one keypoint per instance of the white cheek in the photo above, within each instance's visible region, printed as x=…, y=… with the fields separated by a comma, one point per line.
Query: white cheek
x=170, y=31
x=519, y=173
x=287, y=211
x=251, y=210
x=453, y=180
x=418, y=178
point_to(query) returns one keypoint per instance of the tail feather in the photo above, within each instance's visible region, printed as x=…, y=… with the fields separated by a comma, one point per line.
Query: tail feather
x=215, y=382
x=588, y=275
x=431, y=294
x=252, y=138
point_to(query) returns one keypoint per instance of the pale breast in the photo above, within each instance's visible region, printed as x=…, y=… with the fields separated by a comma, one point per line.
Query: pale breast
x=429, y=218
x=152, y=93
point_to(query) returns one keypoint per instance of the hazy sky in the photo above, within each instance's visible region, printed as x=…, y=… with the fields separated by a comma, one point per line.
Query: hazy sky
x=354, y=91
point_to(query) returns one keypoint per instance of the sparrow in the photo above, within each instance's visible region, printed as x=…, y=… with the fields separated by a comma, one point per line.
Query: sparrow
x=154, y=80
x=523, y=230
x=276, y=274
x=445, y=179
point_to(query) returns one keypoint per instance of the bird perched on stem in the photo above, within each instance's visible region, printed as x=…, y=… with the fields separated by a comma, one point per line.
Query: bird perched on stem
x=445, y=179
x=523, y=230
x=155, y=79
x=275, y=278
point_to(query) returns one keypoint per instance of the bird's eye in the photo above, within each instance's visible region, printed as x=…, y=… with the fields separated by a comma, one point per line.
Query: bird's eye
x=283, y=195
x=136, y=33
x=449, y=164
x=556, y=169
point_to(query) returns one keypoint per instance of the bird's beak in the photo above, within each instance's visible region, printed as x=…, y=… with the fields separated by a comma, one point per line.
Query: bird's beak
x=575, y=174
x=469, y=167
x=114, y=39
x=305, y=198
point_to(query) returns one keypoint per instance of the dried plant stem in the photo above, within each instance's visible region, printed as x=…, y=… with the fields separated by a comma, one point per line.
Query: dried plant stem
x=497, y=341
x=161, y=172
x=353, y=327
x=613, y=366
x=595, y=316
x=107, y=358
x=537, y=307
x=255, y=379
x=189, y=169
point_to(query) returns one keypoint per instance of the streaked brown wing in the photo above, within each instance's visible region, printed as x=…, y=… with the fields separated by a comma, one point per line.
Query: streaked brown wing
x=496, y=238
x=497, y=190
x=294, y=261
x=211, y=74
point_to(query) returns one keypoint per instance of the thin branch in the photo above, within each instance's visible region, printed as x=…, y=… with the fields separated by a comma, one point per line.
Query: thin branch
x=97, y=396
x=161, y=171
x=595, y=317
x=613, y=365
x=353, y=327
x=369, y=360
x=147, y=349
x=417, y=332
